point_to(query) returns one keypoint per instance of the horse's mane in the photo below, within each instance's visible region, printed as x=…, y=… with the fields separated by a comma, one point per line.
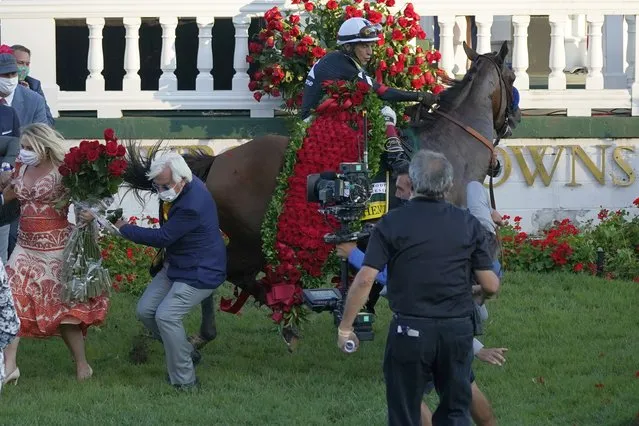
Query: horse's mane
x=449, y=100
x=200, y=163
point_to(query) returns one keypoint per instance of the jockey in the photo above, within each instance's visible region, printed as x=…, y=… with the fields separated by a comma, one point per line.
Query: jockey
x=356, y=38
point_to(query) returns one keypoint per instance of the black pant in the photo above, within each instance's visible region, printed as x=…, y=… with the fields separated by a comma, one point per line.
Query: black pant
x=444, y=351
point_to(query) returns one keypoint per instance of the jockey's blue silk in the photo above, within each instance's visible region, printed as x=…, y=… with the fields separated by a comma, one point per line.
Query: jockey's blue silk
x=515, y=105
x=337, y=65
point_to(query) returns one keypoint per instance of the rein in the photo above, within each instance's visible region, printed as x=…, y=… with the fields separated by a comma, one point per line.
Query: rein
x=474, y=133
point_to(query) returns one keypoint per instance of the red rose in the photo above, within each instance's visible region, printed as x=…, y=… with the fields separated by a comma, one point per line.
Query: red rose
x=318, y=52
x=93, y=155
x=375, y=17
x=111, y=148
x=417, y=83
x=363, y=86
x=83, y=148
x=429, y=79
x=109, y=134
x=277, y=316
x=437, y=89
x=64, y=170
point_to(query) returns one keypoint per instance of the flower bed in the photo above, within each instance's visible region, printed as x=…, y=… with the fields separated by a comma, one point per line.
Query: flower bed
x=566, y=247
x=128, y=263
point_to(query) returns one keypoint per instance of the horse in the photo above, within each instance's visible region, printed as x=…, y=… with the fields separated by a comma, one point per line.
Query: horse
x=242, y=180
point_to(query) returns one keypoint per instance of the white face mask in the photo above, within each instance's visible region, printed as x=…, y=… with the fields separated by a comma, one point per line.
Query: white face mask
x=29, y=158
x=168, y=195
x=8, y=85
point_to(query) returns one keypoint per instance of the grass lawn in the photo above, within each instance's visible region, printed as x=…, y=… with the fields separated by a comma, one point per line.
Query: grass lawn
x=573, y=360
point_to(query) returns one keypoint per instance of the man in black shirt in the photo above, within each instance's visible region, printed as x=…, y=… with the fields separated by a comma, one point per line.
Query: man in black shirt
x=431, y=248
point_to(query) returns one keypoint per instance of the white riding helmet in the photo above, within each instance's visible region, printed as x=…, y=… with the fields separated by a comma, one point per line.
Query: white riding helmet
x=358, y=30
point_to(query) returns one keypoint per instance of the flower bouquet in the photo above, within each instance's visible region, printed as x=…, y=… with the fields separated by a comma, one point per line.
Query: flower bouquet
x=92, y=173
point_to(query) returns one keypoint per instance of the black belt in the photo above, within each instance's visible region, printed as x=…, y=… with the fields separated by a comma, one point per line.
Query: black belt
x=414, y=317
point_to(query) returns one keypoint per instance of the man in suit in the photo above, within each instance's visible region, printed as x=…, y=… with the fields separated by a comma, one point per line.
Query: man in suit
x=23, y=58
x=29, y=106
x=9, y=213
x=194, y=262
x=27, y=103
x=9, y=122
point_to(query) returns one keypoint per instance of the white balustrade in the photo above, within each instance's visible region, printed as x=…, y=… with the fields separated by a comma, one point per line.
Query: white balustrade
x=520, y=51
x=131, y=81
x=557, y=60
x=204, y=80
x=484, y=23
x=95, y=61
x=241, y=78
x=446, y=43
x=630, y=49
x=460, y=32
x=595, y=80
x=635, y=84
x=572, y=24
x=168, y=60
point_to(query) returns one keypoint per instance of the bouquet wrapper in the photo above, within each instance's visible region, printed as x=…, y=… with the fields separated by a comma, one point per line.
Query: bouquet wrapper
x=83, y=275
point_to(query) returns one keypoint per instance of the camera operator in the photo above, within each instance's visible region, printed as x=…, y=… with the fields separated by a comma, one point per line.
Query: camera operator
x=479, y=206
x=431, y=333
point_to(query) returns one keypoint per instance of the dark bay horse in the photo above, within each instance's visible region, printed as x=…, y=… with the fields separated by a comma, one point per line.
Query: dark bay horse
x=243, y=179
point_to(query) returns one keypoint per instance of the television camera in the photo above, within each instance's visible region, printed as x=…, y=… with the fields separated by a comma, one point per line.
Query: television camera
x=343, y=195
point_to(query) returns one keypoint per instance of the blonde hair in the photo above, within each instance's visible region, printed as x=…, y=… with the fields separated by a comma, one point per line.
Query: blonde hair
x=45, y=141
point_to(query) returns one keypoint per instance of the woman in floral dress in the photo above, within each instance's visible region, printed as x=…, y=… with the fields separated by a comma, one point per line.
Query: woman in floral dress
x=34, y=269
x=9, y=322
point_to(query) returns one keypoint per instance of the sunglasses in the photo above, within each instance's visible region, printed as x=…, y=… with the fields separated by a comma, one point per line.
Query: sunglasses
x=370, y=31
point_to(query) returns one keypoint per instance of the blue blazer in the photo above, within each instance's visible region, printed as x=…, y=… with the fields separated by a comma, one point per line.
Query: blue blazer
x=195, y=250
x=36, y=86
x=29, y=106
x=9, y=121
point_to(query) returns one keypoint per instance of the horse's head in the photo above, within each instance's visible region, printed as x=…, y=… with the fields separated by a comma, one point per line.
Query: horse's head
x=505, y=99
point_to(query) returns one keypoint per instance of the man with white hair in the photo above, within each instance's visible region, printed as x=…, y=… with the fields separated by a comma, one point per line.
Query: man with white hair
x=193, y=260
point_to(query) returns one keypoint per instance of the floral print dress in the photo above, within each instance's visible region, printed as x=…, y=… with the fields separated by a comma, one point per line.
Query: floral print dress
x=9, y=322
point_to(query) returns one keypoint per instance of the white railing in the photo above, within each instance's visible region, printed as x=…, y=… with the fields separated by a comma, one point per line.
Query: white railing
x=599, y=36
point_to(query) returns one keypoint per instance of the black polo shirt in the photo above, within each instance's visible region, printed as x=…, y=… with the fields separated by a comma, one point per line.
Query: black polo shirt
x=431, y=248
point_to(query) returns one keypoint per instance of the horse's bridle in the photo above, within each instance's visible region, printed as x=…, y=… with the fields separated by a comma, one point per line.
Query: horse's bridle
x=504, y=129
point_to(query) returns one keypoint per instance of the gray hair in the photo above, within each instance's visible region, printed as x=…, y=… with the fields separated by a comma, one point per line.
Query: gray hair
x=431, y=174
x=179, y=169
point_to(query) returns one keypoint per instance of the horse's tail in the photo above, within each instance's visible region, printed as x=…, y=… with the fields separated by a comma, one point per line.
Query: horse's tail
x=135, y=176
x=139, y=164
x=200, y=163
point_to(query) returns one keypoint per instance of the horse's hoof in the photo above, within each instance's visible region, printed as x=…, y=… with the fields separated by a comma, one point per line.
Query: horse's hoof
x=198, y=341
x=139, y=353
x=291, y=337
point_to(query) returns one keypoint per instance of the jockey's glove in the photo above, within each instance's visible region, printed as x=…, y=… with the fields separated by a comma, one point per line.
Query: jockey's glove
x=427, y=99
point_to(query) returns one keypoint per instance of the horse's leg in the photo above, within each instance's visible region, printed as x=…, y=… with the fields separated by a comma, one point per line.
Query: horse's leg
x=244, y=262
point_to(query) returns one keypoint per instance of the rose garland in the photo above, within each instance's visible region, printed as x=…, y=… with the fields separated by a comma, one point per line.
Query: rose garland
x=293, y=229
x=284, y=51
